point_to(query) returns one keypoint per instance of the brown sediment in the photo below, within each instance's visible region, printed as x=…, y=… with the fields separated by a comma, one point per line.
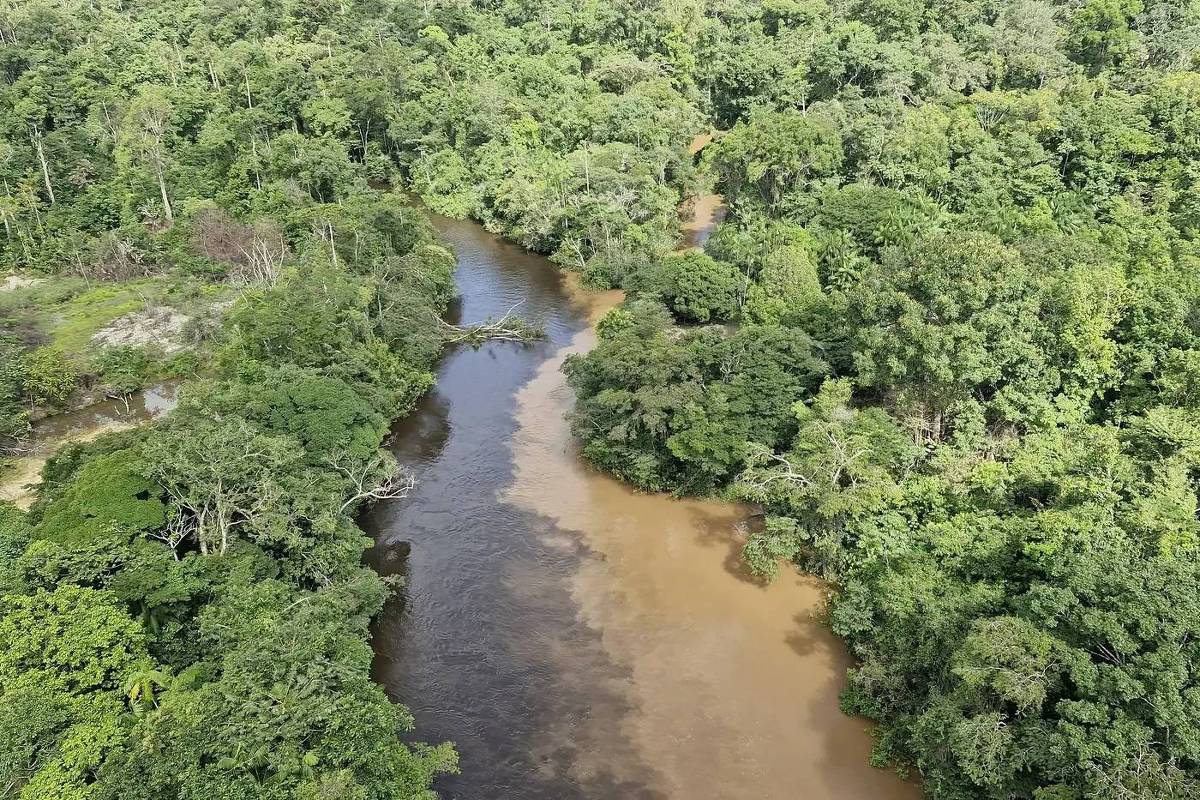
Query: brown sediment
x=699, y=142
x=19, y=480
x=733, y=686
x=18, y=484
x=575, y=638
x=702, y=212
x=593, y=304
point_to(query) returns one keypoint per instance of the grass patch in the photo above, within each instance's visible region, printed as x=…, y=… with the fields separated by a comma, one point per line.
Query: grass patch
x=72, y=324
x=52, y=291
x=66, y=312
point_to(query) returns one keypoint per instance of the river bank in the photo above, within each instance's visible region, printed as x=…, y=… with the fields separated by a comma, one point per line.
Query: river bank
x=574, y=637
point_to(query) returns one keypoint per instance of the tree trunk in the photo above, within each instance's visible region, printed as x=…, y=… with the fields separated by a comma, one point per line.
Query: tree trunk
x=36, y=135
x=254, y=150
x=201, y=518
x=162, y=187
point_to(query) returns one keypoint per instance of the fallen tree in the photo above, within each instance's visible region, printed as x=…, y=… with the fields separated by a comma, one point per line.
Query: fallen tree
x=508, y=328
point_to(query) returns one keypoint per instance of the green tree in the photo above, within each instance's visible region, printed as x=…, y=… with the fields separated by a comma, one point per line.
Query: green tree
x=950, y=319
x=698, y=288
x=48, y=377
x=144, y=139
x=778, y=156
x=223, y=478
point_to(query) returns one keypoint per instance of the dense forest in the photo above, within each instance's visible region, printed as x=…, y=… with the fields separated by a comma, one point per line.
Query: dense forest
x=961, y=376
x=184, y=609
x=946, y=338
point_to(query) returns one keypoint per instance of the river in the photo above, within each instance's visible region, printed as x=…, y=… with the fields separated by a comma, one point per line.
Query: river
x=574, y=638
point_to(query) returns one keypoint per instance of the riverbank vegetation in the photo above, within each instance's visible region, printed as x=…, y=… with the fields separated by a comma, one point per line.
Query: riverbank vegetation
x=946, y=338
x=973, y=227
x=183, y=610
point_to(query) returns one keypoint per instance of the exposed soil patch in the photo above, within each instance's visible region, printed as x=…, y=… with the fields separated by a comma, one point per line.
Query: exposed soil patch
x=18, y=485
x=20, y=477
x=160, y=326
x=11, y=283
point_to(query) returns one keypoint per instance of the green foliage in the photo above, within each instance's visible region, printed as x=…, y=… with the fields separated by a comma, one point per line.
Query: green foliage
x=320, y=319
x=777, y=157
x=841, y=467
x=124, y=370
x=325, y=415
x=108, y=497
x=720, y=391
x=874, y=217
x=65, y=655
x=962, y=237
x=72, y=639
x=983, y=220
x=254, y=723
x=309, y=319
x=48, y=376
x=14, y=417
x=948, y=320
x=227, y=481
x=15, y=535
x=787, y=286
x=185, y=613
x=696, y=287
x=81, y=316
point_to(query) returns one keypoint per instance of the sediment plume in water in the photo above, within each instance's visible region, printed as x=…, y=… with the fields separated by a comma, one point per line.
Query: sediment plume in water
x=732, y=686
x=575, y=639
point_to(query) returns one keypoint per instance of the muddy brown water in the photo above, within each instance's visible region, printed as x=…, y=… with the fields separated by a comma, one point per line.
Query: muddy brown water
x=143, y=405
x=707, y=211
x=572, y=637
x=50, y=434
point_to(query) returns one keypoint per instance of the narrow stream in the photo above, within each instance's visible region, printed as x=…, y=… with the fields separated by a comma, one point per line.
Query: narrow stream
x=52, y=433
x=576, y=639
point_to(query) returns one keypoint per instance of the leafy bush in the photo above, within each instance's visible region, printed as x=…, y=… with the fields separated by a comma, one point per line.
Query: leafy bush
x=696, y=287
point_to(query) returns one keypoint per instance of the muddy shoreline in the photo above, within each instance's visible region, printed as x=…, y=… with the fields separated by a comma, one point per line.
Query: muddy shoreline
x=18, y=481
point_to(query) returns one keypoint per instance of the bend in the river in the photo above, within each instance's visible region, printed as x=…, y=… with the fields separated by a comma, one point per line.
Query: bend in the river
x=574, y=638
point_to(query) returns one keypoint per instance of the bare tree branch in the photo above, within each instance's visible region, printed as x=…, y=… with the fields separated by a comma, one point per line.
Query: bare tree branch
x=379, y=478
x=508, y=328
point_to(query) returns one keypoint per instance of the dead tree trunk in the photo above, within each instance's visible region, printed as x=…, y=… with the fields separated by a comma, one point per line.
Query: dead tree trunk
x=36, y=136
x=508, y=328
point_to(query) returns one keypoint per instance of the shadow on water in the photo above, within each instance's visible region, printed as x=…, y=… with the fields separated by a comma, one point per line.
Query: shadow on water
x=710, y=532
x=476, y=641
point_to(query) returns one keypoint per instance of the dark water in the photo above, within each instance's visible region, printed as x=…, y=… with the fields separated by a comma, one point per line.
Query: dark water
x=576, y=639
x=465, y=644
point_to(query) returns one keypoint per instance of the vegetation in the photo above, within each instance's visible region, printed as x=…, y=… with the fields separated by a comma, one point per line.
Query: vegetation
x=962, y=386
x=183, y=611
x=218, y=564
x=957, y=360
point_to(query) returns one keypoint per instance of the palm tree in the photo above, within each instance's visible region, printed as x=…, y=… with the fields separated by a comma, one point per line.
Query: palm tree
x=140, y=687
